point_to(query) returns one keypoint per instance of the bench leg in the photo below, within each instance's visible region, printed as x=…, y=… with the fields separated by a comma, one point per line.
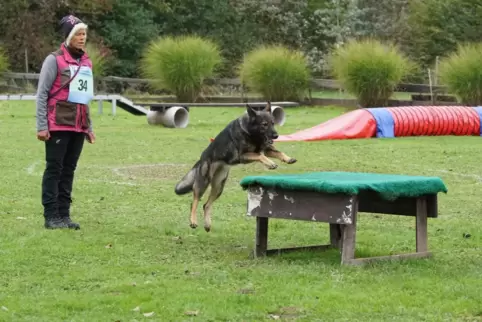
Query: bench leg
x=335, y=236
x=421, y=240
x=421, y=225
x=343, y=237
x=261, y=236
x=348, y=242
x=262, y=250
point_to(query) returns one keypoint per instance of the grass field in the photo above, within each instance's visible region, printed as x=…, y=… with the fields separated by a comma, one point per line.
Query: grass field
x=136, y=254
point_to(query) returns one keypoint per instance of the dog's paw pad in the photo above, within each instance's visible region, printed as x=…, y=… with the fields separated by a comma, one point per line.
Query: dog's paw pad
x=291, y=161
x=207, y=228
x=193, y=225
x=272, y=166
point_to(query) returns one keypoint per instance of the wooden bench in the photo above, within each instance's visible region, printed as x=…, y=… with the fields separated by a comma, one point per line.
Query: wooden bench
x=270, y=198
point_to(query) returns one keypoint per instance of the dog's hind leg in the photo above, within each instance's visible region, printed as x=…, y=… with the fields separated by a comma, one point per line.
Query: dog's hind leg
x=199, y=188
x=217, y=187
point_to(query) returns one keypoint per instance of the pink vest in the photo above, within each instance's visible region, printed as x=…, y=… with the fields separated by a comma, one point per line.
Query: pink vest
x=64, y=115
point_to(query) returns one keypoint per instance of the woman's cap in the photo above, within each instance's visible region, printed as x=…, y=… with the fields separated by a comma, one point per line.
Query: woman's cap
x=69, y=25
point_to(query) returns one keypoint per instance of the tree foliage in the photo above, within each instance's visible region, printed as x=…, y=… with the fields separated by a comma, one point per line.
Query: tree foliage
x=330, y=24
x=438, y=26
x=4, y=63
x=31, y=27
x=126, y=30
x=423, y=29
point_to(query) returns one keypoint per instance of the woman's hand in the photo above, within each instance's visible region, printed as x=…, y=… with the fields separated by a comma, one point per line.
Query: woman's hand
x=91, y=137
x=43, y=135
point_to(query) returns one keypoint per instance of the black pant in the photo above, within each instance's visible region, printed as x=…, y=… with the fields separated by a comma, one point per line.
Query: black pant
x=62, y=151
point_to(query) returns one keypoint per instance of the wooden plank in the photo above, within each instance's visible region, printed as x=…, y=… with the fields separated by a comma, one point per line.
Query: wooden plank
x=372, y=202
x=332, y=84
x=136, y=81
x=227, y=81
x=300, y=205
x=30, y=76
x=329, y=207
x=419, y=88
x=279, y=251
x=318, y=83
x=366, y=260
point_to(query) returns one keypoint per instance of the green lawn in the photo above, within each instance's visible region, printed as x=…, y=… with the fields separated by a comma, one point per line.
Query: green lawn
x=136, y=250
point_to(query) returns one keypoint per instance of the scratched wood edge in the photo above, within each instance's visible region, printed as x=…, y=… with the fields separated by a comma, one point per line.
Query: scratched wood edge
x=300, y=205
x=396, y=257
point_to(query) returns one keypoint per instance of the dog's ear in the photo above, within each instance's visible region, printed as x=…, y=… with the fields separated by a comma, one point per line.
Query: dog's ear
x=251, y=111
x=267, y=108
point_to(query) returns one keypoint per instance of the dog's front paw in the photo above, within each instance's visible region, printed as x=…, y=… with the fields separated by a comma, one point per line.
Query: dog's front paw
x=291, y=161
x=207, y=228
x=193, y=225
x=272, y=166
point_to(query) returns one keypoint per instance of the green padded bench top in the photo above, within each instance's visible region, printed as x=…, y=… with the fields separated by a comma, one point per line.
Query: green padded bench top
x=389, y=186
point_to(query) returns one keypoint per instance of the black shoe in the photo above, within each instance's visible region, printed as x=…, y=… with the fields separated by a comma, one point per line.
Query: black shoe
x=55, y=223
x=70, y=224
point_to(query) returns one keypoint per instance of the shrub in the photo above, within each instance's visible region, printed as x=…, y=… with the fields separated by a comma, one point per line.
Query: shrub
x=180, y=64
x=98, y=59
x=370, y=70
x=461, y=72
x=275, y=72
x=4, y=65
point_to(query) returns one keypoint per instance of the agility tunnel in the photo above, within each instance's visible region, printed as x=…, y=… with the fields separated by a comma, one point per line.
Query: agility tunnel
x=390, y=122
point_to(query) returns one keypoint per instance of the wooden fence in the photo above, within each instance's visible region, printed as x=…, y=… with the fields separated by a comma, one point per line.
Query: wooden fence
x=119, y=84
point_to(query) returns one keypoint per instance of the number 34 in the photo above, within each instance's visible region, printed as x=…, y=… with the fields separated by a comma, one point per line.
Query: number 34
x=82, y=85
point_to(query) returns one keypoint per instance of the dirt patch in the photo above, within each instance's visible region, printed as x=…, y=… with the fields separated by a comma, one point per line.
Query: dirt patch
x=152, y=172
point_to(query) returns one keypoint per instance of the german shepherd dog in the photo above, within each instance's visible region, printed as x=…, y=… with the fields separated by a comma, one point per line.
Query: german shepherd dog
x=246, y=139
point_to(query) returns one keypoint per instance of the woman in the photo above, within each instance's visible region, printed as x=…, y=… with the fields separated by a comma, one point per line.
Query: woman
x=65, y=88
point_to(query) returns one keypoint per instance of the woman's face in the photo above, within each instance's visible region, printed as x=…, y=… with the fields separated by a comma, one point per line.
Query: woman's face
x=78, y=40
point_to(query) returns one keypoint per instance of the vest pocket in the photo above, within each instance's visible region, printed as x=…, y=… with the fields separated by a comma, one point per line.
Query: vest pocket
x=65, y=113
x=85, y=117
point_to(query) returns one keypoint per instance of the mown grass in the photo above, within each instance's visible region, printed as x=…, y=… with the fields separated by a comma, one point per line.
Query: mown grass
x=136, y=250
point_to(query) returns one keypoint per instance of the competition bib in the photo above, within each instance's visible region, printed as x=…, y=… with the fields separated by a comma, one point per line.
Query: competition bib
x=81, y=90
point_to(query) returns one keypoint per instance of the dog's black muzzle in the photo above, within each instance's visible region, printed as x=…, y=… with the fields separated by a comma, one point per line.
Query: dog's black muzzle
x=273, y=136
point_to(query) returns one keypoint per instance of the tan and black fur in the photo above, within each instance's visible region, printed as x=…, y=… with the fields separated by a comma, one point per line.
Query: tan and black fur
x=246, y=139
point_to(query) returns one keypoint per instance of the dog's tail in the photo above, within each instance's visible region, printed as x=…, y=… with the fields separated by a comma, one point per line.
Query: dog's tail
x=187, y=182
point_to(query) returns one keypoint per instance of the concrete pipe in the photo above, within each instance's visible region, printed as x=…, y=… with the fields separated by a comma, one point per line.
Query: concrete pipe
x=278, y=115
x=173, y=117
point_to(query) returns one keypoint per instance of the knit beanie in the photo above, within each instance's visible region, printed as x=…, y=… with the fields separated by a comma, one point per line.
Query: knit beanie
x=69, y=25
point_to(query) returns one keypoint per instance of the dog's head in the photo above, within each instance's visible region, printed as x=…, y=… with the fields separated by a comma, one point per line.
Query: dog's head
x=261, y=123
